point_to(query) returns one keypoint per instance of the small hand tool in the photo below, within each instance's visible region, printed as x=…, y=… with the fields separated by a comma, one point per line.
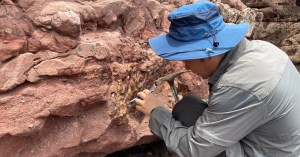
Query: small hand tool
x=170, y=79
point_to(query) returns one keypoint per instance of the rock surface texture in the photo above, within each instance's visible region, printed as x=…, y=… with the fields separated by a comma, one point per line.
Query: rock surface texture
x=69, y=68
x=280, y=25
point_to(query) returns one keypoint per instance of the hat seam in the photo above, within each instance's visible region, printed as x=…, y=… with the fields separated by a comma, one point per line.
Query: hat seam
x=197, y=50
x=208, y=33
x=202, y=37
x=195, y=12
x=201, y=23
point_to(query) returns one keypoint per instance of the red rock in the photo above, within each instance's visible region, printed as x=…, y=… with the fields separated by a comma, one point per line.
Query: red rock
x=9, y=49
x=50, y=41
x=13, y=73
x=66, y=82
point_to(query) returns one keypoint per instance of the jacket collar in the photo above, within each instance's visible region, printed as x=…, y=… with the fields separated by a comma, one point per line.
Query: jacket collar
x=228, y=60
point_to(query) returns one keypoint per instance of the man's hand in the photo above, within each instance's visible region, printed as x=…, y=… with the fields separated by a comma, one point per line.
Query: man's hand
x=147, y=102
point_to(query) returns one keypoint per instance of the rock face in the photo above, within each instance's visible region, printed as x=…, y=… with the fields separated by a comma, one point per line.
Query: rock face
x=280, y=25
x=69, y=68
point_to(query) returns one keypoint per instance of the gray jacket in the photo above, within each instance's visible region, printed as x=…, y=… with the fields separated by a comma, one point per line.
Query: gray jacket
x=254, y=108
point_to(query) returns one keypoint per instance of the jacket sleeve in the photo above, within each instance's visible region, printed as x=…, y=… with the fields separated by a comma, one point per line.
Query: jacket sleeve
x=180, y=139
x=231, y=115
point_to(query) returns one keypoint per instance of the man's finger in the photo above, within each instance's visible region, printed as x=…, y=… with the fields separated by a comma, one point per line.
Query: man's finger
x=146, y=91
x=138, y=107
x=139, y=102
x=141, y=94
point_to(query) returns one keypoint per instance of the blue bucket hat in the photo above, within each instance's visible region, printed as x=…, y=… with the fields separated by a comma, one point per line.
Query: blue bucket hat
x=197, y=31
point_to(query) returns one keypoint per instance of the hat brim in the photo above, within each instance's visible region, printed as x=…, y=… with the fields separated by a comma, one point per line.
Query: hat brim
x=171, y=49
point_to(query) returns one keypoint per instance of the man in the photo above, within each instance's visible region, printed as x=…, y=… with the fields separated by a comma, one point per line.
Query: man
x=254, y=102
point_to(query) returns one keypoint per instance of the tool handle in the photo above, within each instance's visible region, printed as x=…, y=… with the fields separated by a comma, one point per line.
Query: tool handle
x=174, y=91
x=132, y=102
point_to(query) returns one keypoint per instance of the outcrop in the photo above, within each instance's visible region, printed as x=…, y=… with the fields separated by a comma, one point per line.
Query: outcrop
x=69, y=68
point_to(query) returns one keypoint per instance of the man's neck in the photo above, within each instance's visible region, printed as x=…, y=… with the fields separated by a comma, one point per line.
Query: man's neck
x=225, y=63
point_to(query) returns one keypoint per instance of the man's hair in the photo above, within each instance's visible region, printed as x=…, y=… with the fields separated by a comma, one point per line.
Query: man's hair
x=298, y=3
